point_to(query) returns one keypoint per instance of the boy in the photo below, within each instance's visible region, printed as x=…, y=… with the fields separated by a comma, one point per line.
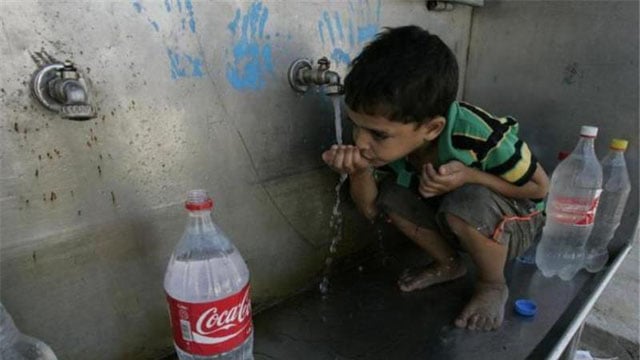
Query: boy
x=461, y=177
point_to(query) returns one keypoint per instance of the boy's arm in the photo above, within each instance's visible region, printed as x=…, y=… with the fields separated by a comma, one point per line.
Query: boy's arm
x=536, y=188
x=364, y=192
x=454, y=174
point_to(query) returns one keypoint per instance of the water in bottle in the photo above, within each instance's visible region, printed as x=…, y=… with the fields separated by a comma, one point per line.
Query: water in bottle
x=571, y=207
x=15, y=345
x=615, y=191
x=207, y=288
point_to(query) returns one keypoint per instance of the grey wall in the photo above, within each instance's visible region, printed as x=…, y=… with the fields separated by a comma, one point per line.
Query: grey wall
x=189, y=95
x=557, y=65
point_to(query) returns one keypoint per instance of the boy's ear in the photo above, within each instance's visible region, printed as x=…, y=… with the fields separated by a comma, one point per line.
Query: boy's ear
x=432, y=128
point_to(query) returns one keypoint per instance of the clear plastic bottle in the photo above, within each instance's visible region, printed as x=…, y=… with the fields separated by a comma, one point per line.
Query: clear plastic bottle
x=15, y=345
x=207, y=288
x=573, y=198
x=615, y=192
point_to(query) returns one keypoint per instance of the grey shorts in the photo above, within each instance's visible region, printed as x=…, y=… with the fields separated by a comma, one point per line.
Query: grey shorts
x=512, y=222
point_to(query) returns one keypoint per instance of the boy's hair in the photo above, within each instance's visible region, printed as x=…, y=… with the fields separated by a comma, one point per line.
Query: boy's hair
x=405, y=74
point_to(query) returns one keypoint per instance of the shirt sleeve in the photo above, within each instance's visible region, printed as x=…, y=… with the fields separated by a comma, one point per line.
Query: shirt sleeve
x=511, y=160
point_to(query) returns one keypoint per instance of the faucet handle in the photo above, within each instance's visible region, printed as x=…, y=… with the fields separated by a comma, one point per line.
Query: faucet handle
x=323, y=63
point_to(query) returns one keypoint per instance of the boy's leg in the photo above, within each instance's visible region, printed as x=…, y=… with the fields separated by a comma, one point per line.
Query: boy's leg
x=446, y=265
x=473, y=213
x=485, y=310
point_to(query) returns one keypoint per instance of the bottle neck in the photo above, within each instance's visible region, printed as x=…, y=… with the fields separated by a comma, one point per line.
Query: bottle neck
x=585, y=147
x=200, y=222
x=615, y=158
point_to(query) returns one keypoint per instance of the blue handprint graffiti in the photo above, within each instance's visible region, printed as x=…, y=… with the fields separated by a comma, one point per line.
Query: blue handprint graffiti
x=251, y=49
x=182, y=63
x=367, y=25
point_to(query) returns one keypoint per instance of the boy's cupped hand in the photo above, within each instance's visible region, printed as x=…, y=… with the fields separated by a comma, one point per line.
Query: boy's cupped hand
x=345, y=159
x=448, y=177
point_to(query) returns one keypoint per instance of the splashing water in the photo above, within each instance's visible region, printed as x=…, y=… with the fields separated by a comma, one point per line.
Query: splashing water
x=337, y=117
x=335, y=222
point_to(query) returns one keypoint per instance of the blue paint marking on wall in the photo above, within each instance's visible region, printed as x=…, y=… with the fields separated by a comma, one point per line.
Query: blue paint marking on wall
x=251, y=50
x=182, y=63
x=363, y=23
x=137, y=6
x=192, y=21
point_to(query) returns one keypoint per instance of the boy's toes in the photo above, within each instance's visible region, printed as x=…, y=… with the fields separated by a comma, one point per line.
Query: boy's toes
x=462, y=320
x=487, y=324
x=480, y=323
x=497, y=322
x=474, y=320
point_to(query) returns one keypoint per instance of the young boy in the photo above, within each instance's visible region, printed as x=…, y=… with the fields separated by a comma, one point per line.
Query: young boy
x=462, y=179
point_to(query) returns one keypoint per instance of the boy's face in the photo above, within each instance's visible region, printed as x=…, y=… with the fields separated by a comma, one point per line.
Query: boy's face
x=382, y=141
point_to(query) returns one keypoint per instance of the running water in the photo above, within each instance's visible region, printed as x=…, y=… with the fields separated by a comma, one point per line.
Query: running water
x=337, y=117
x=335, y=223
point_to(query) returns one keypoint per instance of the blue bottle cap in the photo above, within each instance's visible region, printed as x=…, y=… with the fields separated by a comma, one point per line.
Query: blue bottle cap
x=526, y=307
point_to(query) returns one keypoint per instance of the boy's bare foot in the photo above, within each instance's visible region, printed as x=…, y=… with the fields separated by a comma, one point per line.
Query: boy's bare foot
x=485, y=310
x=434, y=273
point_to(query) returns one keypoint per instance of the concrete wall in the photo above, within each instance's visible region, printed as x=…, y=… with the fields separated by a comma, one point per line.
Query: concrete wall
x=189, y=95
x=557, y=65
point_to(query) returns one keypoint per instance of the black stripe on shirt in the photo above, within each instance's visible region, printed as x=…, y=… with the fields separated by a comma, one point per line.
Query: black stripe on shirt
x=499, y=130
x=533, y=165
x=510, y=163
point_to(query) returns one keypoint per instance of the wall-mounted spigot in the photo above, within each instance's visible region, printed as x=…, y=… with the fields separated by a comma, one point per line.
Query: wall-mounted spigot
x=61, y=88
x=302, y=74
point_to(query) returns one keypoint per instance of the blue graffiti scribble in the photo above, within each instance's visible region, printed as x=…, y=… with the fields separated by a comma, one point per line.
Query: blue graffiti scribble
x=251, y=53
x=182, y=63
x=192, y=21
x=137, y=6
x=367, y=20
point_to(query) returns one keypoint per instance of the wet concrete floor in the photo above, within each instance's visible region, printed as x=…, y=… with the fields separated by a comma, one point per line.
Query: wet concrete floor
x=365, y=316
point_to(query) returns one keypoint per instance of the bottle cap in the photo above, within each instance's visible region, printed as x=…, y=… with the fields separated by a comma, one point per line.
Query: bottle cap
x=525, y=307
x=619, y=144
x=198, y=200
x=589, y=131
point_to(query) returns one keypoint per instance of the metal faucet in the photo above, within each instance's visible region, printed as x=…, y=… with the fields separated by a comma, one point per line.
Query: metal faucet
x=61, y=88
x=302, y=74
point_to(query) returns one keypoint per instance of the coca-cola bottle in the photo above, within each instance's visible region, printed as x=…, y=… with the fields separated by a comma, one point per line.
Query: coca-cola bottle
x=574, y=192
x=207, y=288
x=15, y=345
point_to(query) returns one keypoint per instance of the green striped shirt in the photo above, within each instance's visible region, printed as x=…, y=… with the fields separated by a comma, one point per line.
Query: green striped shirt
x=480, y=140
x=483, y=141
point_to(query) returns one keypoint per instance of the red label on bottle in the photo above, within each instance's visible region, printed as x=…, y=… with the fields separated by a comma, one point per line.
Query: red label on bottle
x=575, y=211
x=211, y=328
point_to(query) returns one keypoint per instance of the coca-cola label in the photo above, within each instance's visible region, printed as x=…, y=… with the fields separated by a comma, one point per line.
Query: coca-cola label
x=574, y=211
x=211, y=328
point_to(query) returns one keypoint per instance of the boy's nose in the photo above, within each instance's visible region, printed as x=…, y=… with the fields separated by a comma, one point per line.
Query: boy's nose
x=360, y=140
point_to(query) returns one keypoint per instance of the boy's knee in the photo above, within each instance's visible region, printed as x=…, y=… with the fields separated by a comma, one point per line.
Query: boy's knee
x=457, y=225
x=469, y=207
x=468, y=195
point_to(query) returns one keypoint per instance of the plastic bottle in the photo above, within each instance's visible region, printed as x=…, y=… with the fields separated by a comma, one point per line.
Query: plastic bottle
x=15, y=345
x=207, y=288
x=571, y=207
x=615, y=192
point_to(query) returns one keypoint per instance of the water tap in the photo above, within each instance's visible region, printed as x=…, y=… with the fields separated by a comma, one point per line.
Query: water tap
x=302, y=74
x=61, y=88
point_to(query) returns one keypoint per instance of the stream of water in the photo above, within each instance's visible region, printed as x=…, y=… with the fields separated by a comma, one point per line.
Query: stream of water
x=335, y=223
